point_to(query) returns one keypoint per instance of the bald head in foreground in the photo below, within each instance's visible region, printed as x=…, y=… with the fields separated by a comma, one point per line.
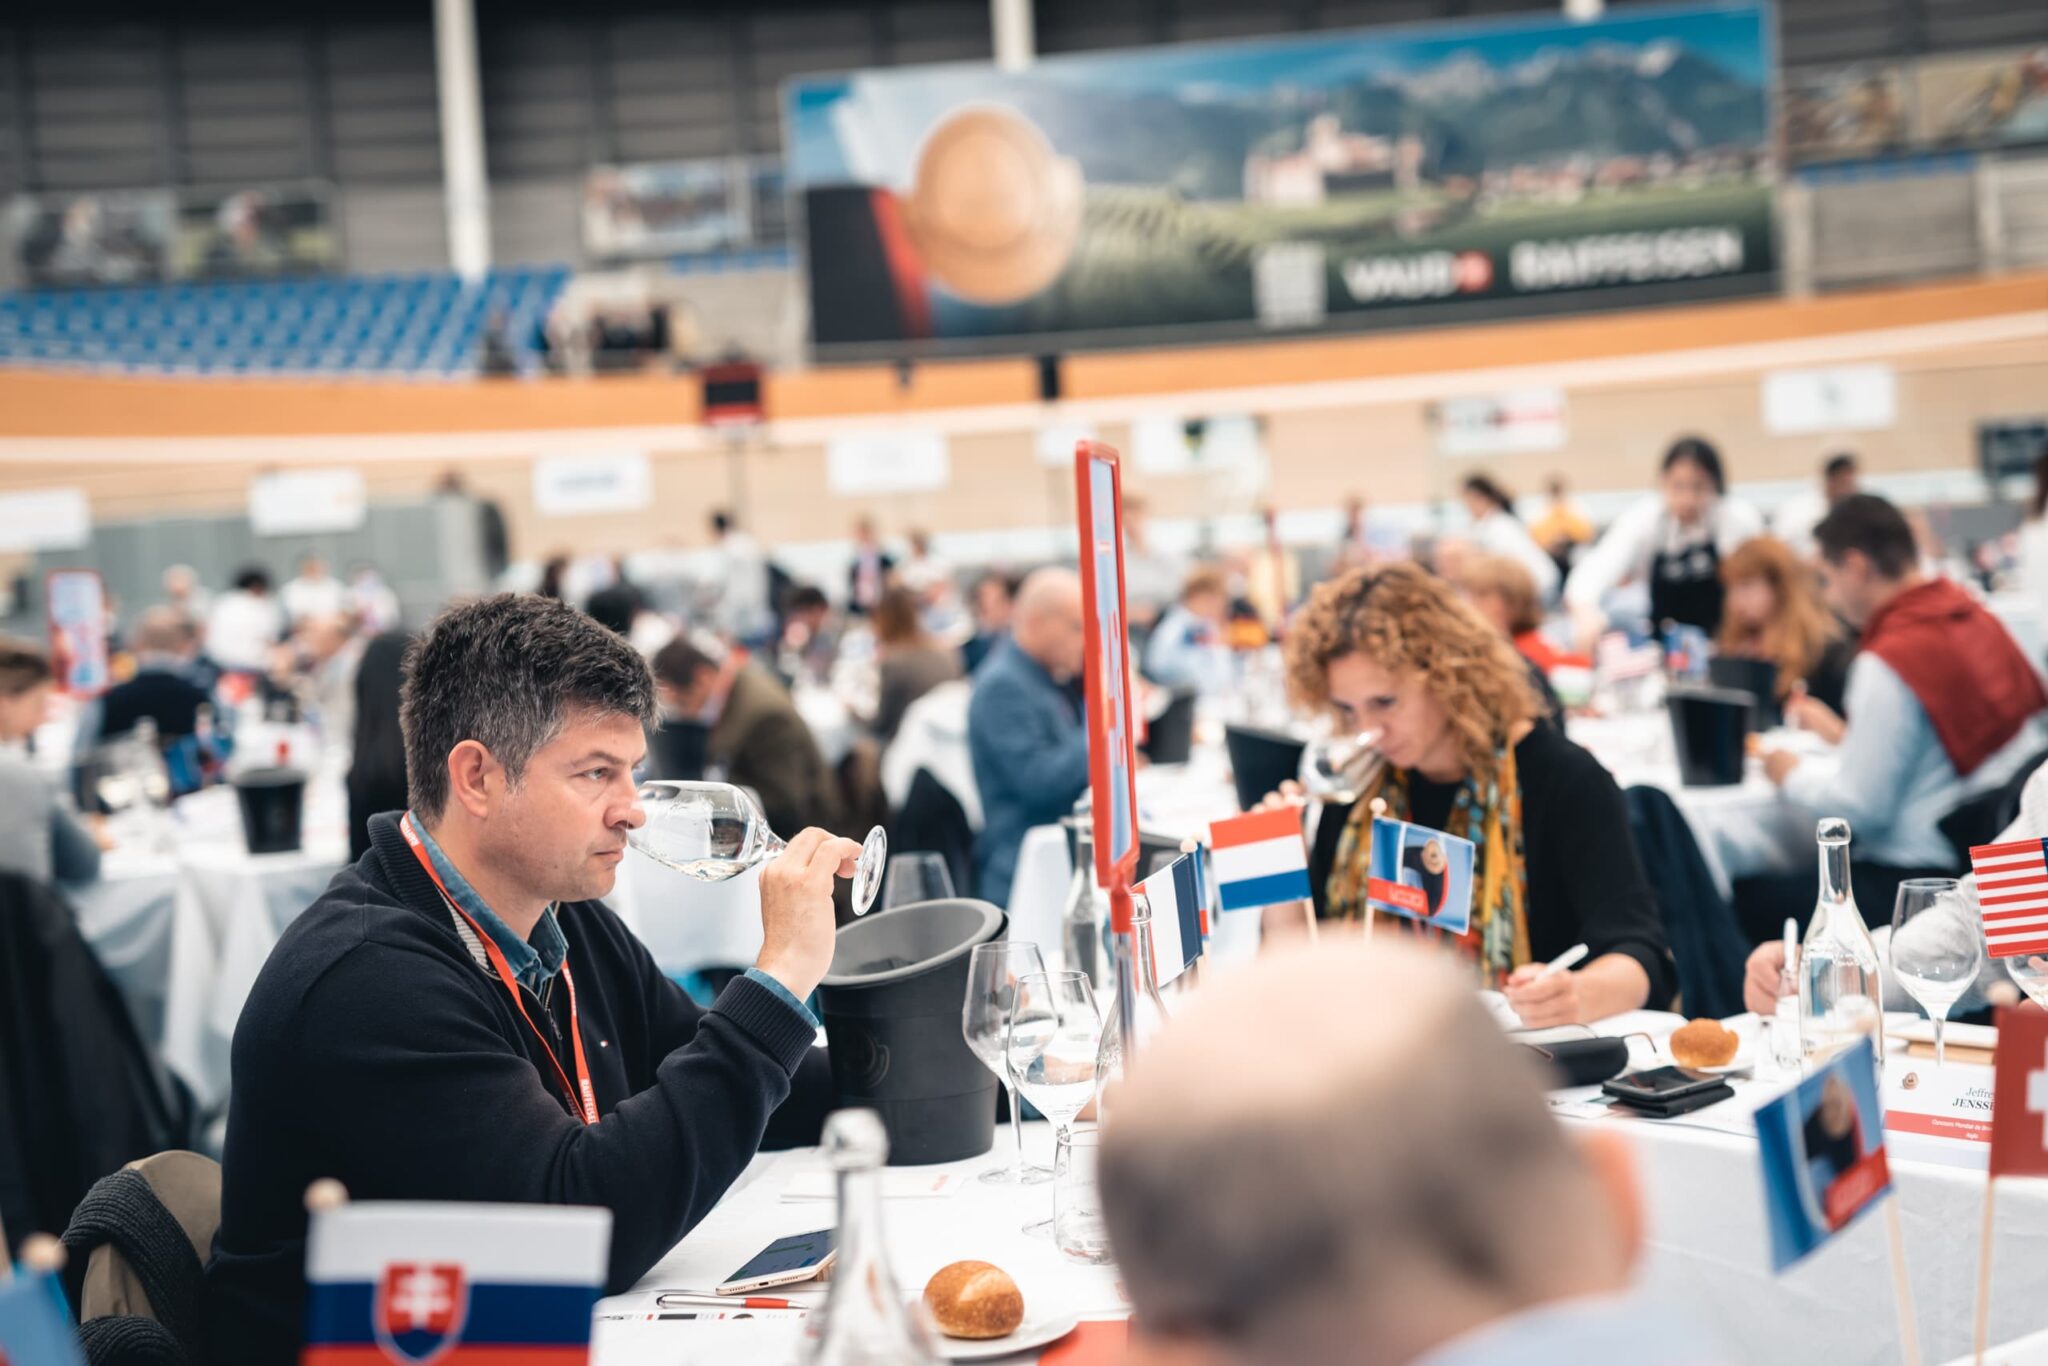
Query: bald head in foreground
x=1335, y=1156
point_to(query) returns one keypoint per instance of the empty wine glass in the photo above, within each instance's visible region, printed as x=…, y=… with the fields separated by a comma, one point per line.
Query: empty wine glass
x=2030, y=972
x=1336, y=762
x=916, y=877
x=715, y=831
x=992, y=974
x=1054, y=1032
x=1936, y=947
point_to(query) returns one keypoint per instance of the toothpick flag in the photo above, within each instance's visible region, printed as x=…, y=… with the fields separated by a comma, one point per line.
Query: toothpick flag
x=2012, y=892
x=1175, y=895
x=1261, y=858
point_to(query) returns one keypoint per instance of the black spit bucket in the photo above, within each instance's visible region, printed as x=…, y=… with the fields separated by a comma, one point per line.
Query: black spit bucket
x=1708, y=727
x=1261, y=760
x=1758, y=678
x=1171, y=738
x=891, y=1006
x=273, y=808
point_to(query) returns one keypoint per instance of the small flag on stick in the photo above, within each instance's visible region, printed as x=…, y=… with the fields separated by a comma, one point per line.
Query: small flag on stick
x=2012, y=894
x=1261, y=858
x=450, y=1283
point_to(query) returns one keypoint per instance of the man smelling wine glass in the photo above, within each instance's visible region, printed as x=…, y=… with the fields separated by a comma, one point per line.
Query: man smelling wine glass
x=458, y=1017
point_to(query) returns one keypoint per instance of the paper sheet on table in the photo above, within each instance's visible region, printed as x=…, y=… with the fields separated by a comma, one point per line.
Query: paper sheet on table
x=898, y=1183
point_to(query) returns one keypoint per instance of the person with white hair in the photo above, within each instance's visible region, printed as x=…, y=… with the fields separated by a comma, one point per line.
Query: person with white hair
x=1380, y=1184
x=1024, y=725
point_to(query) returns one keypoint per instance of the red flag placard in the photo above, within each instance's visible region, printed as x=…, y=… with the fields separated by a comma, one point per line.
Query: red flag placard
x=2019, y=1098
x=1112, y=757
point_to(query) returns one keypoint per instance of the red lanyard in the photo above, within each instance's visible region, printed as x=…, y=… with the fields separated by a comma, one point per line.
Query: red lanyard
x=581, y=1097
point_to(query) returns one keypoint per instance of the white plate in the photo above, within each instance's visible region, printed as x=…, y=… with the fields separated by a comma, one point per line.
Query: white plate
x=1036, y=1331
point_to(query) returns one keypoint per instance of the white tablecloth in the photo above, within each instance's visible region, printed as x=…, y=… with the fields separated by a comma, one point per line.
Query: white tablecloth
x=184, y=932
x=687, y=924
x=981, y=1222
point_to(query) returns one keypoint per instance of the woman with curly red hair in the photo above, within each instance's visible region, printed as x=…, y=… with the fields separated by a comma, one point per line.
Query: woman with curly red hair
x=1399, y=652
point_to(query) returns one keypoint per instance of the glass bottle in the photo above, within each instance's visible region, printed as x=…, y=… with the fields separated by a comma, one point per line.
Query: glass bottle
x=866, y=1321
x=1840, y=987
x=1150, y=1016
x=1087, y=909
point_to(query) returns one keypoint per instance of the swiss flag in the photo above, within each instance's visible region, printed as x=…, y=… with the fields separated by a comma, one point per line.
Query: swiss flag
x=2019, y=1103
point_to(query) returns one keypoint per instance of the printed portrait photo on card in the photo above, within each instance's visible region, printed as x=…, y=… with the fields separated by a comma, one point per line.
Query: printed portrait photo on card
x=1420, y=873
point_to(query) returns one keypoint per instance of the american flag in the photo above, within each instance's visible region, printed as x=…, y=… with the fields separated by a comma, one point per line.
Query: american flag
x=2012, y=889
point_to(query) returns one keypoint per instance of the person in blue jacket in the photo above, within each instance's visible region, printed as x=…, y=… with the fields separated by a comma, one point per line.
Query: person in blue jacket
x=1024, y=726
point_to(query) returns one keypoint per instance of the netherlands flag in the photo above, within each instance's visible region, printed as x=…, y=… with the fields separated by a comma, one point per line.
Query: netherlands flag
x=1261, y=859
x=463, y=1284
x=2012, y=892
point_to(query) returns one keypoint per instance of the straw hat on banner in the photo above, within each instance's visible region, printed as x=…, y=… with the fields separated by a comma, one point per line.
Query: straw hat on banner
x=994, y=212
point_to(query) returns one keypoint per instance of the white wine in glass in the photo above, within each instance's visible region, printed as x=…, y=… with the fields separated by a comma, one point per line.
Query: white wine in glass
x=1337, y=763
x=715, y=831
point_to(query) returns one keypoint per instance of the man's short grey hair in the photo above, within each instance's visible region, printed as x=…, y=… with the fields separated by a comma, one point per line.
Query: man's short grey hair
x=506, y=672
x=1341, y=1145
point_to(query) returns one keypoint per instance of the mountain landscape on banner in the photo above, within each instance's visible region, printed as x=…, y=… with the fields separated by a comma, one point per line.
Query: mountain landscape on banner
x=1471, y=117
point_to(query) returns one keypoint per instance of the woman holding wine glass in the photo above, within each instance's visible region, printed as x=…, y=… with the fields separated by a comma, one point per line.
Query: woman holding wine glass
x=1397, y=655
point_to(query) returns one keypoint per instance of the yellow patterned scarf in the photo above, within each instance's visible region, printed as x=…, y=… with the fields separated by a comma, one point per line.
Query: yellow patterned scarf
x=1491, y=817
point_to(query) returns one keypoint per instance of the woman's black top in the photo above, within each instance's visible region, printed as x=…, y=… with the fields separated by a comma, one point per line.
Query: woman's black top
x=1586, y=884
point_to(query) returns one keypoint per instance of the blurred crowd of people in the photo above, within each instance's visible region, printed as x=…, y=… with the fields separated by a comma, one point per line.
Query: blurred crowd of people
x=828, y=699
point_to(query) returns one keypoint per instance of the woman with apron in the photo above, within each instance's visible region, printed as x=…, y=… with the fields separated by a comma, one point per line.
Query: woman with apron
x=1671, y=542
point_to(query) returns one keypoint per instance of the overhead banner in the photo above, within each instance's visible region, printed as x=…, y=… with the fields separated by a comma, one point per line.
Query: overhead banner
x=1237, y=188
x=302, y=502
x=578, y=485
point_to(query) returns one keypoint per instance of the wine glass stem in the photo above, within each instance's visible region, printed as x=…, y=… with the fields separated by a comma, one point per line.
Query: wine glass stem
x=1940, y=1049
x=1017, y=1128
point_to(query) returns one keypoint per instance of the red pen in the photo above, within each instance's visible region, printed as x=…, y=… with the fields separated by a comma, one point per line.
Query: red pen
x=669, y=1297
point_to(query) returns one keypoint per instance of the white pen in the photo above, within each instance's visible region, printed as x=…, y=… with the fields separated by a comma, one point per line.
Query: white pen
x=1568, y=959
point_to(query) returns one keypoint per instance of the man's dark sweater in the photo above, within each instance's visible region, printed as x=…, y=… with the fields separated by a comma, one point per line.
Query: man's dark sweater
x=375, y=1050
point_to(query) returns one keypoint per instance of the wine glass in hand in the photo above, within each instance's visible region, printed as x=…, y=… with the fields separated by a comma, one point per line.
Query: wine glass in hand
x=1054, y=1033
x=1936, y=948
x=1337, y=762
x=993, y=971
x=715, y=831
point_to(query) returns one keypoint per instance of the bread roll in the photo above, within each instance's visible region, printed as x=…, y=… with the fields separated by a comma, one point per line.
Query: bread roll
x=974, y=1300
x=1704, y=1043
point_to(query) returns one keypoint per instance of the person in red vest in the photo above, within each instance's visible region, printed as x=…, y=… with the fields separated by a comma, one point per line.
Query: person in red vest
x=1941, y=705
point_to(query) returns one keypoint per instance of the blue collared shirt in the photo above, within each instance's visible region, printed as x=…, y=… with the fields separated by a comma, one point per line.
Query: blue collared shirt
x=534, y=961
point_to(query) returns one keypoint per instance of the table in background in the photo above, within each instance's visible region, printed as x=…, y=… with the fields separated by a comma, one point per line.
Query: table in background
x=183, y=932
x=1173, y=799
x=1743, y=829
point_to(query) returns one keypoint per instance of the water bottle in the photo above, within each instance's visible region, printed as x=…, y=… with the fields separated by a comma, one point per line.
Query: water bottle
x=866, y=1321
x=1149, y=1018
x=1840, y=987
x=1087, y=908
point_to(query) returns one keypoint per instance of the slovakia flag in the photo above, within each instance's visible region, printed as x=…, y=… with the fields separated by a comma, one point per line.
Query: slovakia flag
x=460, y=1284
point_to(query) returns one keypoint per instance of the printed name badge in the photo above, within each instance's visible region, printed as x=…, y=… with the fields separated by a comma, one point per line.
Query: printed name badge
x=1952, y=1101
x=1420, y=873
